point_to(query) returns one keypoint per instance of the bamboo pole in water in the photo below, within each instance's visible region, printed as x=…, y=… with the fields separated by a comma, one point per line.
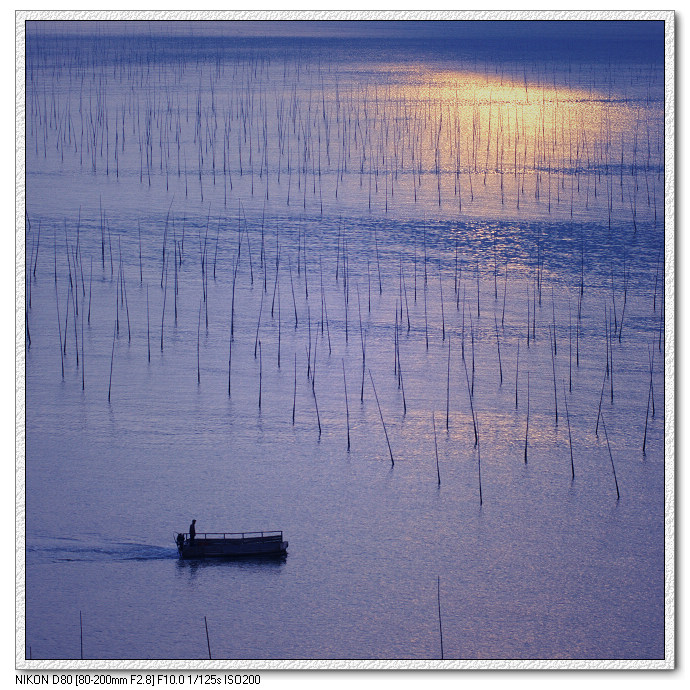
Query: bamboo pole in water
x=505, y=291
x=553, y=312
x=378, y=263
x=279, y=325
x=527, y=424
x=528, y=315
x=438, y=472
x=112, y=357
x=364, y=357
x=479, y=471
x=62, y=358
x=601, y=398
x=292, y=287
x=469, y=393
x=124, y=289
x=401, y=382
x=141, y=269
x=443, y=315
x=448, y=389
x=570, y=438
x=198, y=361
x=611, y=357
x=498, y=347
x=517, y=372
x=88, y=320
x=613, y=467
x=426, y=320
x=260, y=374
x=462, y=331
x=651, y=379
x=294, y=394
x=148, y=328
x=440, y=623
x=553, y=367
x=347, y=409
x=478, y=312
x=316, y=407
x=649, y=396
x=472, y=343
x=208, y=643
x=38, y=244
x=570, y=348
x=381, y=415
x=258, y=324
x=313, y=367
x=83, y=361
x=165, y=292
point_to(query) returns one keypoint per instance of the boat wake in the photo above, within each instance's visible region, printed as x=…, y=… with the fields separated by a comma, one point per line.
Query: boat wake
x=66, y=549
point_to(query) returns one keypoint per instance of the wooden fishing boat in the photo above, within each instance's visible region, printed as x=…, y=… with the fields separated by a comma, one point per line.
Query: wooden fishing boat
x=231, y=544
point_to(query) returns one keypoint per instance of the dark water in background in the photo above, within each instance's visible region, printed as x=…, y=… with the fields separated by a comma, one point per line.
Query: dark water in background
x=308, y=143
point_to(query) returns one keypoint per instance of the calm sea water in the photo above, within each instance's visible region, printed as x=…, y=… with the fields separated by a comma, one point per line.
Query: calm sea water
x=223, y=233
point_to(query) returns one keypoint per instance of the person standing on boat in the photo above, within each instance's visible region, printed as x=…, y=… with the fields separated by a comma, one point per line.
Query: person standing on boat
x=192, y=532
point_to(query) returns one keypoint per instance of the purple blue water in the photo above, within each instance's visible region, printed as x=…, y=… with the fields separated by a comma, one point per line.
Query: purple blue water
x=220, y=225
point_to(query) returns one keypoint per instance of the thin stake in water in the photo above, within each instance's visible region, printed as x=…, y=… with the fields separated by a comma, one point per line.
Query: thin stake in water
x=438, y=472
x=347, y=409
x=381, y=415
x=498, y=347
x=198, y=361
x=260, y=374
x=448, y=389
x=62, y=357
x=148, y=329
x=440, y=624
x=570, y=438
x=316, y=406
x=649, y=397
x=527, y=424
x=165, y=292
x=517, y=372
x=112, y=357
x=208, y=643
x=553, y=366
x=613, y=467
x=469, y=393
x=479, y=471
x=294, y=394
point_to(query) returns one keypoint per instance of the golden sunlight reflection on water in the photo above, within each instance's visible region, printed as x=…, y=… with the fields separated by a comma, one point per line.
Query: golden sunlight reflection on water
x=493, y=123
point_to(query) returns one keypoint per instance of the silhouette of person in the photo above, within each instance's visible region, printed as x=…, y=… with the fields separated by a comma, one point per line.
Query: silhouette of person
x=192, y=532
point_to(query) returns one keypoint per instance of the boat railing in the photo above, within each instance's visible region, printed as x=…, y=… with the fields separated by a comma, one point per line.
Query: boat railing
x=274, y=534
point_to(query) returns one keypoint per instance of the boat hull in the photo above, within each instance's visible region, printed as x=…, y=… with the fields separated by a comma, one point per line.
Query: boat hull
x=232, y=548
